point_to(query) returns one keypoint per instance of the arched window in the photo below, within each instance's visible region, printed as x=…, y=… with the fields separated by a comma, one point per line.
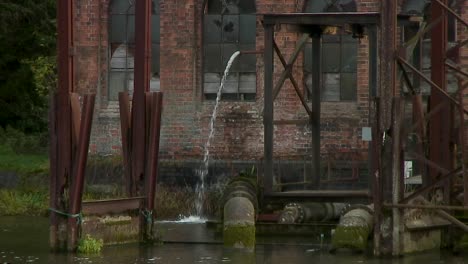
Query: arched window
x=339, y=55
x=423, y=8
x=229, y=26
x=122, y=46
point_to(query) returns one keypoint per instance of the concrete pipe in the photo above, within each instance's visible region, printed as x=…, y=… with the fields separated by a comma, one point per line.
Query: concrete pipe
x=239, y=223
x=310, y=212
x=239, y=210
x=353, y=229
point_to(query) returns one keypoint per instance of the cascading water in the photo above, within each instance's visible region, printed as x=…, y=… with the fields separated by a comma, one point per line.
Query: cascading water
x=206, y=157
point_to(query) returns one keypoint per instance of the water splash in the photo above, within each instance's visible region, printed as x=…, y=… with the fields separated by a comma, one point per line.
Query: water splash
x=187, y=219
x=206, y=157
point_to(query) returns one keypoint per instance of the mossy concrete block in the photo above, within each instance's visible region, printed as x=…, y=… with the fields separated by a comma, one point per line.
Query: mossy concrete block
x=352, y=237
x=239, y=236
x=117, y=229
x=421, y=240
x=461, y=244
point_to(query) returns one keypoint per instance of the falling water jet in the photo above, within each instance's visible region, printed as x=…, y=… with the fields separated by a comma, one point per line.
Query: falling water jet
x=206, y=157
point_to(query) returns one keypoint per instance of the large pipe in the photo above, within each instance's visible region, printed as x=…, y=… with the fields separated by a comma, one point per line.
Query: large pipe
x=353, y=229
x=310, y=212
x=240, y=204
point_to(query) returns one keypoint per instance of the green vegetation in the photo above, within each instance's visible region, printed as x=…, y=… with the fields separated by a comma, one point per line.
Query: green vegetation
x=241, y=236
x=352, y=237
x=22, y=163
x=14, y=202
x=27, y=37
x=90, y=245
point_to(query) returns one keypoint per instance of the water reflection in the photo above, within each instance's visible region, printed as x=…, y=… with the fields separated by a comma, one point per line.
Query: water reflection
x=24, y=240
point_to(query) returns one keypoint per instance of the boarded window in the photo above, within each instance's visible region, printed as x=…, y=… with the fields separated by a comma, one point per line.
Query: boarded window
x=229, y=26
x=339, y=56
x=122, y=47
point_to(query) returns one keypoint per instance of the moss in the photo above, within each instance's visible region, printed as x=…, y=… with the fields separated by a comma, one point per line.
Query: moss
x=351, y=237
x=240, y=236
x=461, y=244
x=90, y=245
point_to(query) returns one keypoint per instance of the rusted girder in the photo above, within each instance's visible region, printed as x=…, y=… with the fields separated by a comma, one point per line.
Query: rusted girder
x=141, y=86
x=79, y=166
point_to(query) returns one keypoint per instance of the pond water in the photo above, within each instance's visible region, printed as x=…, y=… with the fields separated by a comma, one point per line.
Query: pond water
x=25, y=240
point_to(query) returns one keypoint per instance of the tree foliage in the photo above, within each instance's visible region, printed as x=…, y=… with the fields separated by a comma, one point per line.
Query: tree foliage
x=27, y=62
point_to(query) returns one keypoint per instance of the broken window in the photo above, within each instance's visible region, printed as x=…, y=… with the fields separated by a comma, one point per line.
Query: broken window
x=339, y=55
x=122, y=47
x=229, y=26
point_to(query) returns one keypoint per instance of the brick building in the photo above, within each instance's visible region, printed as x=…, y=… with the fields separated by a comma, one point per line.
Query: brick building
x=191, y=42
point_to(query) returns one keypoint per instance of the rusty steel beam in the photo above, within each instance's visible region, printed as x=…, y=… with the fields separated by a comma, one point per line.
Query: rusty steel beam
x=422, y=76
x=316, y=108
x=125, y=114
x=112, y=206
x=79, y=167
x=433, y=207
x=439, y=125
x=447, y=8
x=153, y=152
x=292, y=79
x=456, y=69
x=53, y=187
x=76, y=117
x=429, y=163
x=268, y=108
x=429, y=187
x=142, y=79
x=288, y=67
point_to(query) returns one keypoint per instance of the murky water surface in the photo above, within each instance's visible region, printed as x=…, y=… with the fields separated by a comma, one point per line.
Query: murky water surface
x=25, y=240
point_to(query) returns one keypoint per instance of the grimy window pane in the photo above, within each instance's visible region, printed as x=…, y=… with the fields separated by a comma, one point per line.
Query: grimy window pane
x=331, y=57
x=247, y=28
x=426, y=53
x=247, y=62
x=227, y=51
x=308, y=57
x=247, y=83
x=121, y=58
x=348, y=86
x=232, y=83
x=247, y=6
x=156, y=8
x=119, y=7
x=118, y=32
x=211, y=82
x=212, y=29
x=155, y=28
x=116, y=84
x=212, y=59
x=316, y=6
x=155, y=51
x=131, y=29
x=230, y=28
x=331, y=87
x=349, y=57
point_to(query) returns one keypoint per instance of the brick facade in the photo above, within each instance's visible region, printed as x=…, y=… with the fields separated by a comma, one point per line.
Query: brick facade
x=239, y=127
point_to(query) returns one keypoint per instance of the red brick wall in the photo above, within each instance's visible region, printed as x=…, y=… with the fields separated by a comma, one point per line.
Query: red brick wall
x=239, y=127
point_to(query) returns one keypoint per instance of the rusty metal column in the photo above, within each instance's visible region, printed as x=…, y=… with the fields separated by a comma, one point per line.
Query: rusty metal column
x=439, y=125
x=388, y=90
x=316, y=103
x=268, y=109
x=62, y=161
x=141, y=85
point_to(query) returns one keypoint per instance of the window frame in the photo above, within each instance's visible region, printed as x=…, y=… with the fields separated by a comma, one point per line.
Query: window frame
x=243, y=70
x=327, y=39
x=129, y=45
